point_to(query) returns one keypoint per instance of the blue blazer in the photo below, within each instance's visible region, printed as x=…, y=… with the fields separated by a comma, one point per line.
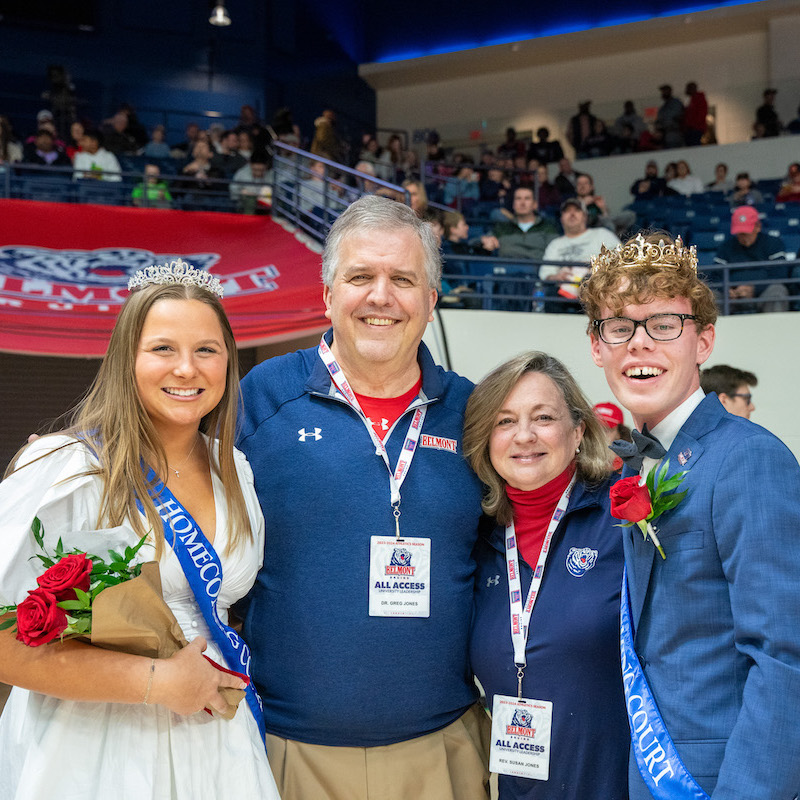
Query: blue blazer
x=718, y=622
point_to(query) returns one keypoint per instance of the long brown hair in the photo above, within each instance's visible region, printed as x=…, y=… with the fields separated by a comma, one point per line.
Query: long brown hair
x=113, y=422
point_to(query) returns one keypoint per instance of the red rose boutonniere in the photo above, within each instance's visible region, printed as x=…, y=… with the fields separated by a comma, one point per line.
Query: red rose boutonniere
x=642, y=502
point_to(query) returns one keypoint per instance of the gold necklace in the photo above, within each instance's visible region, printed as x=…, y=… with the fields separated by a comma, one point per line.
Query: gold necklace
x=177, y=473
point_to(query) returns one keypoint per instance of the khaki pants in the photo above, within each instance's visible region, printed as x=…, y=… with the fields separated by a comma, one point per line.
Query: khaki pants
x=449, y=764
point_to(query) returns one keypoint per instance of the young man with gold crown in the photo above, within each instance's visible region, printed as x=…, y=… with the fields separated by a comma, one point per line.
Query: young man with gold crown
x=710, y=643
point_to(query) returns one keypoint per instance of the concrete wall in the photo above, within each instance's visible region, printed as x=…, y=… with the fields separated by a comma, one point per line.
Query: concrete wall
x=765, y=344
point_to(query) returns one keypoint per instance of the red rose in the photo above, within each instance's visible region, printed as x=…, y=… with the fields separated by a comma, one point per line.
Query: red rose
x=63, y=577
x=39, y=619
x=629, y=500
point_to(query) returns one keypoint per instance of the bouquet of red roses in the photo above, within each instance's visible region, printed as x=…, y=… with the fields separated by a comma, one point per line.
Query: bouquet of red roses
x=61, y=605
x=113, y=604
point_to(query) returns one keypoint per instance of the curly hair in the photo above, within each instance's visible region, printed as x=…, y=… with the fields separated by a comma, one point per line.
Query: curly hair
x=619, y=286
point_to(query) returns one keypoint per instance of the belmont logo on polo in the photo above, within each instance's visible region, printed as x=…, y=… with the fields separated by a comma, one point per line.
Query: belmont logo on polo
x=438, y=443
x=400, y=562
x=521, y=724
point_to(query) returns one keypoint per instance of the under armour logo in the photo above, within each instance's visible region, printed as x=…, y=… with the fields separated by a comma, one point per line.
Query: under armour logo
x=317, y=434
x=384, y=426
x=493, y=581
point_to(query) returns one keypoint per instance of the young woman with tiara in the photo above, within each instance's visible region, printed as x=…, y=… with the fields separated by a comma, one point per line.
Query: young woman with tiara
x=149, y=452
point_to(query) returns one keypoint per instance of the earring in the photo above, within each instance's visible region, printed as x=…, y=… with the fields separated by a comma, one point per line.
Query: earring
x=577, y=450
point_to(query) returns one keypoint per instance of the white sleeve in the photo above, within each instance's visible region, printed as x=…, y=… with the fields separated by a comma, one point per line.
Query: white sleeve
x=49, y=484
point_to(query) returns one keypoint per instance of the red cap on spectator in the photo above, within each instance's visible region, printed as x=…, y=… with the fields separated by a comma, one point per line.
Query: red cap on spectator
x=609, y=414
x=744, y=220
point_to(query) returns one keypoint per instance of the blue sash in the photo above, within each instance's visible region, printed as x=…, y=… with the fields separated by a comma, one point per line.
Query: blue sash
x=659, y=764
x=203, y=571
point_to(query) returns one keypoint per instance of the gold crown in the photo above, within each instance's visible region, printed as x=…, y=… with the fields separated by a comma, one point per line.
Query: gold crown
x=640, y=253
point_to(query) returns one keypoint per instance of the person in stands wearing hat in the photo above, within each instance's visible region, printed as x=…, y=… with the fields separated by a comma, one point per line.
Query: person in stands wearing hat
x=611, y=417
x=748, y=242
x=578, y=244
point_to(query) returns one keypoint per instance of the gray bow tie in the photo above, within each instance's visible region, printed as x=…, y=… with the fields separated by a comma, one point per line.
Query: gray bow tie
x=643, y=444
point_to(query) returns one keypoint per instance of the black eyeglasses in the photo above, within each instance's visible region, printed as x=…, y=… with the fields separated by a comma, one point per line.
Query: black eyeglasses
x=746, y=397
x=660, y=327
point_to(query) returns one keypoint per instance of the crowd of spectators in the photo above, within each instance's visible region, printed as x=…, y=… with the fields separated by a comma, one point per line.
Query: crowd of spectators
x=232, y=162
x=525, y=194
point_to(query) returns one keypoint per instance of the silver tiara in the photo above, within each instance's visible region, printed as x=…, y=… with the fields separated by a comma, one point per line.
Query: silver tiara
x=177, y=271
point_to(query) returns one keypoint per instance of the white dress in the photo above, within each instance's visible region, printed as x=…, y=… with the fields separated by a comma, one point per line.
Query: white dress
x=70, y=750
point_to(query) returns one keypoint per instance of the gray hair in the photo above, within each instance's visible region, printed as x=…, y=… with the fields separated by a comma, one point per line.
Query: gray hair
x=372, y=213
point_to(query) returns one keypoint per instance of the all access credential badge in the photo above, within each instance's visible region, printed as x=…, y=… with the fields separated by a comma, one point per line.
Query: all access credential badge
x=521, y=737
x=399, y=577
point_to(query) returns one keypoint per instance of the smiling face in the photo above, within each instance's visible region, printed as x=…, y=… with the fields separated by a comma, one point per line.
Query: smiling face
x=181, y=364
x=379, y=304
x=534, y=438
x=651, y=379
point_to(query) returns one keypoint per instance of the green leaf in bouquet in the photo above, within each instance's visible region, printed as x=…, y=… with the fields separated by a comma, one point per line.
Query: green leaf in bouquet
x=48, y=562
x=37, y=529
x=71, y=605
x=7, y=623
x=130, y=552
x=84, y=597
x=83, y=625
x=115, y=557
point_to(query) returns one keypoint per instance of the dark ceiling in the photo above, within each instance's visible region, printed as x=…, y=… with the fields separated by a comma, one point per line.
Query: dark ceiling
x=380, y=31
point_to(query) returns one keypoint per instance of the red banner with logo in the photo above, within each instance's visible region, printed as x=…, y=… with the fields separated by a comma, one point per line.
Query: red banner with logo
x=64, y=272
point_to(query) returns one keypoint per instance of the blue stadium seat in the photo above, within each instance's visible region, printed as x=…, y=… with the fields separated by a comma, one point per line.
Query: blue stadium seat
x=48, y=190
x=104, y=193
x=708, y=240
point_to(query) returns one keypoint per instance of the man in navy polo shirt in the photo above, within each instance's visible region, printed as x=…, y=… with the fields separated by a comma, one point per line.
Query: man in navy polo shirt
x=359, y=619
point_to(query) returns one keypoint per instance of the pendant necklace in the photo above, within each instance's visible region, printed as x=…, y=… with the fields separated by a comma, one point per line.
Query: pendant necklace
x=177, y=473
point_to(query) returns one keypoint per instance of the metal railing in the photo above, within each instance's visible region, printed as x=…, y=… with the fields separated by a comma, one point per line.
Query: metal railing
x=312, y=201
x=513, y=285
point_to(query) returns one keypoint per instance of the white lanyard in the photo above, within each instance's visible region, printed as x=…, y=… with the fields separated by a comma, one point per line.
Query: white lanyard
x=398, y=474
x=520, y=617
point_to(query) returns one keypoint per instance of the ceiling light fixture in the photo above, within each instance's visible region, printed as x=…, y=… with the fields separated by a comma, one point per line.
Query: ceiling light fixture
x=219, y=16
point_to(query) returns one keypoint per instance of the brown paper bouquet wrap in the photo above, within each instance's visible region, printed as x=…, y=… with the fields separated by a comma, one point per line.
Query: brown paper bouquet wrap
x=132, y=617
